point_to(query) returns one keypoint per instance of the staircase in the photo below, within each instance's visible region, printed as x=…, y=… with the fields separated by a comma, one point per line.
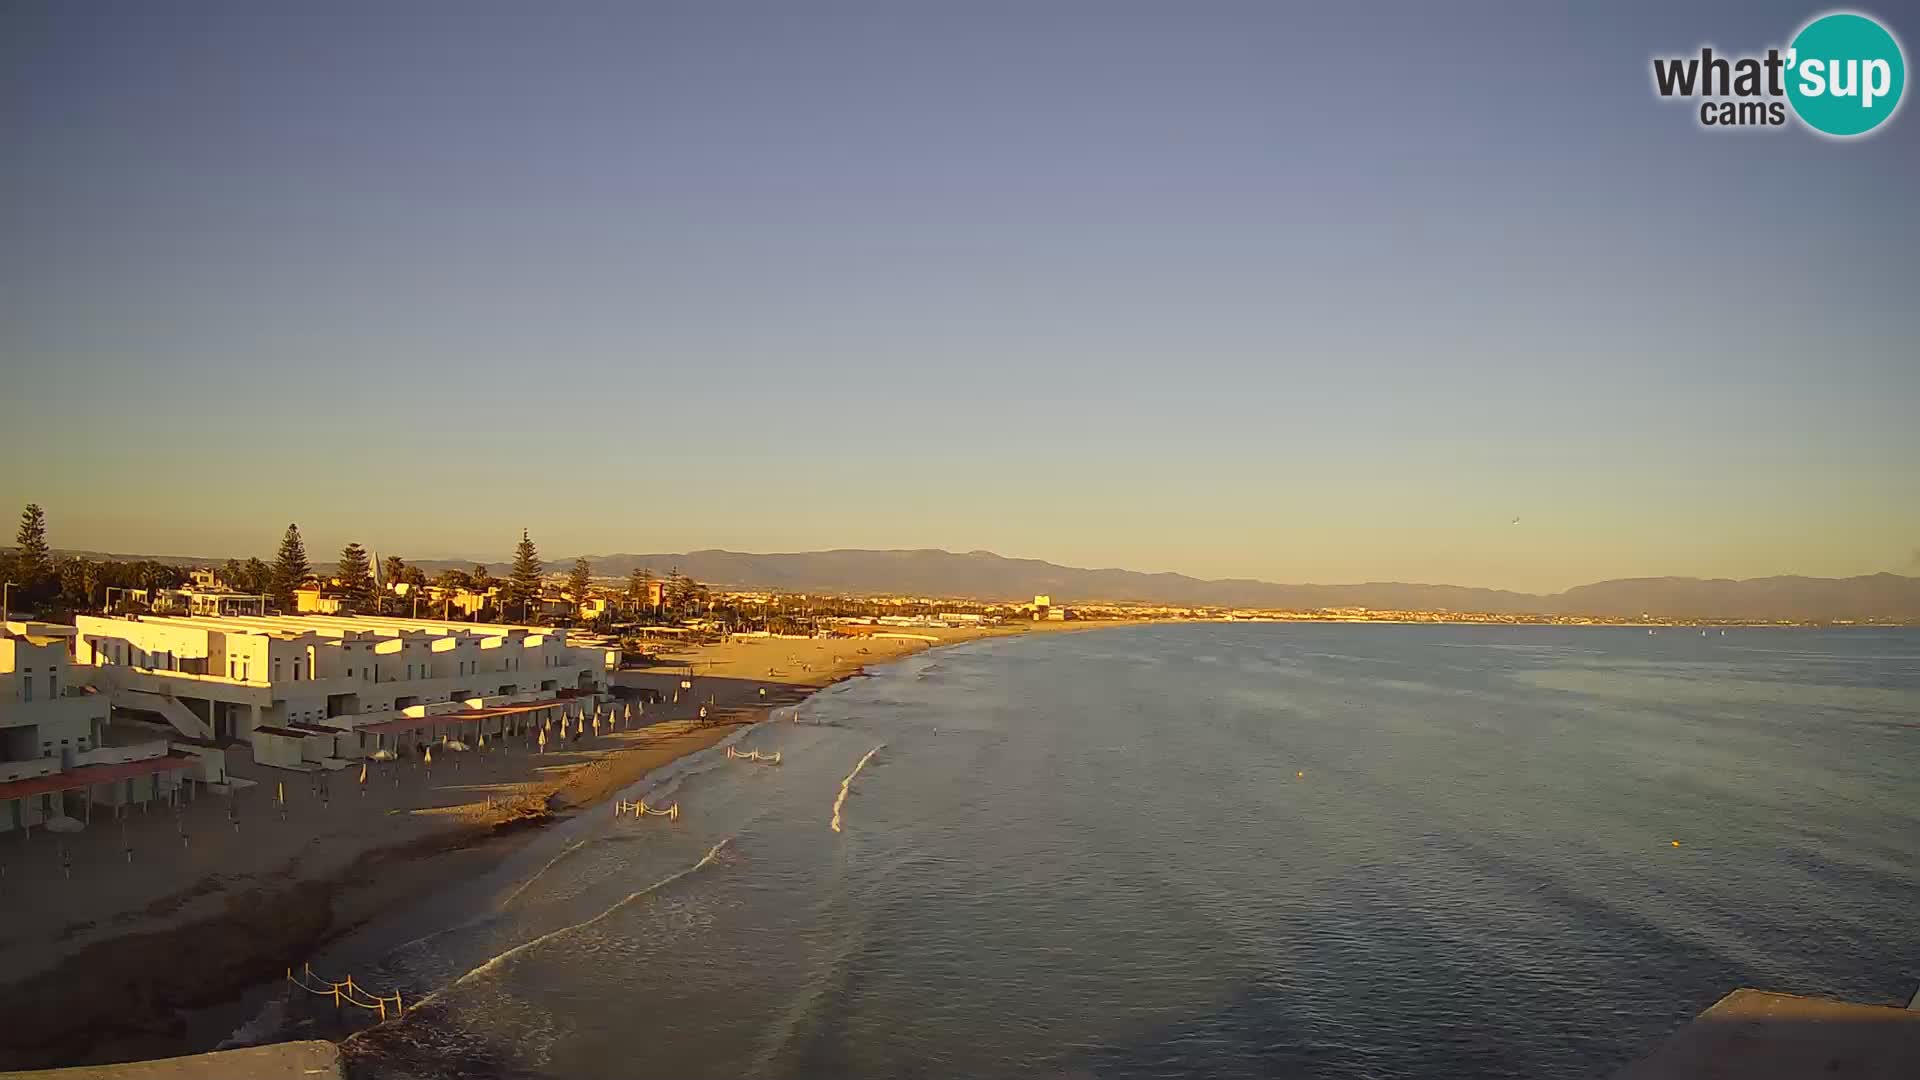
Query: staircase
x=183, y=719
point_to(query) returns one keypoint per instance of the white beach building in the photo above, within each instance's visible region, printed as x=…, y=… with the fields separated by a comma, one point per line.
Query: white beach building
x=327, y=686
x=59, y=753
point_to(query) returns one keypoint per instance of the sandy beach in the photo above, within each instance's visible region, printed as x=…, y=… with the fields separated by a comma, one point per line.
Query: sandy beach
x=166, y=912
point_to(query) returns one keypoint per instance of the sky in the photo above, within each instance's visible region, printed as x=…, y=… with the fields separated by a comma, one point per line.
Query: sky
x=1319, y=293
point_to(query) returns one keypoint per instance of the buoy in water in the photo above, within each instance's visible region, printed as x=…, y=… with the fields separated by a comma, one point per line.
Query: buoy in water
x=1300, y=776
x=1676, y=843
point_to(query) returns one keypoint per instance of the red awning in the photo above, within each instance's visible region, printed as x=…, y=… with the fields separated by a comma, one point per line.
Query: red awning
x=88, y=775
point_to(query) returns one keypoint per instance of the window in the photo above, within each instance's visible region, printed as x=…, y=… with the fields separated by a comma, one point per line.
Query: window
x=409, y=671
x=296, y=671
x=53, y=685
x=276, y=669
x=27, y=683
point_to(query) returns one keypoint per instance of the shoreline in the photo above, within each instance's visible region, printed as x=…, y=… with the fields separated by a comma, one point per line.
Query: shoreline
x=174, y=973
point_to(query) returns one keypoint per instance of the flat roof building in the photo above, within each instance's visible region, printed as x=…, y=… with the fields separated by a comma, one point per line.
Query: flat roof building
x=223, y=678
x=55, y=736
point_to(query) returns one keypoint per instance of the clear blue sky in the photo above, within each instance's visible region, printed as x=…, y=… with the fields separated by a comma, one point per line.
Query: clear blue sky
x=1301, y=293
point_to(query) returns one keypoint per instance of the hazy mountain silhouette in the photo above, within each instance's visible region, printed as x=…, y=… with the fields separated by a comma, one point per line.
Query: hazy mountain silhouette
x=983, y=575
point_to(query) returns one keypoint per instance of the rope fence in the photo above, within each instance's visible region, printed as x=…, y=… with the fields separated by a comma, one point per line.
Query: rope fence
x=641, y=809
x=345, y=992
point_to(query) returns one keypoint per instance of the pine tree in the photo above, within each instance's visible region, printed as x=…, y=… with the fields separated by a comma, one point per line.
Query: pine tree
x=523, y=584
x=639, y=584
x=290, y=569
x=356, y=579
x=32, y=569
x=580, y=581
x=682, y=593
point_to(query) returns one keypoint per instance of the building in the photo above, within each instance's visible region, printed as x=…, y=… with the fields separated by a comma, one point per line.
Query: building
x=552, y=607
x=58, y=751
x=464, y=601
x=224, y=679
x=318, y=600
x=46, y=714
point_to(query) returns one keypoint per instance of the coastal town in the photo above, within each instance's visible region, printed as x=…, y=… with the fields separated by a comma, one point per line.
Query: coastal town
x=130, y=682
x=182, y=747
x=184, y=744
x=958, y=540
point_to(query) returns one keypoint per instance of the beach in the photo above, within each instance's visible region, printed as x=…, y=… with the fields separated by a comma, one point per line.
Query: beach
x=1204, y=850
x=163, y=916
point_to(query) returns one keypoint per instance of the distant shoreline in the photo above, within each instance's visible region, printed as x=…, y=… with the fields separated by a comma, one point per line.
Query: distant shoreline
x=983, y=579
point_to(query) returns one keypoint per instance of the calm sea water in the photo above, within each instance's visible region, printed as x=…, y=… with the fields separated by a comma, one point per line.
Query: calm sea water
x=1256, y=850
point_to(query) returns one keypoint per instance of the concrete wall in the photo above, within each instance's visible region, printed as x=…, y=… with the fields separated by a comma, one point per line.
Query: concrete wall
x=279, y=751
x=49, y=727
x=28, y=768
x=211, y=764
x=115, y=755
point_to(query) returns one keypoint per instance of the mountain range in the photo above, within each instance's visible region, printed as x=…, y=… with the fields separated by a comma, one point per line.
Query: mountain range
x=983, y=575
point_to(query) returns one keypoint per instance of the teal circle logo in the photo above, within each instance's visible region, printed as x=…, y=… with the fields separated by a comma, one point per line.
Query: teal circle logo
x=1845, y=73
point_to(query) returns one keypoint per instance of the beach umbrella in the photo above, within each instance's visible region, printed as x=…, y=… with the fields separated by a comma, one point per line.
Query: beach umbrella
x=456, y=744
x=543, y=741
x=483, y=740
x=280, y=793
x=383, y=754
x=363, y=772
x=429, y=757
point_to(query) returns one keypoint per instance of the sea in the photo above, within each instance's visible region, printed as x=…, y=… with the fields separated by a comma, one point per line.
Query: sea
x=1221, y=850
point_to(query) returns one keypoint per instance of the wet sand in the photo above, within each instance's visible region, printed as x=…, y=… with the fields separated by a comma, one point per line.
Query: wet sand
x=109, y=957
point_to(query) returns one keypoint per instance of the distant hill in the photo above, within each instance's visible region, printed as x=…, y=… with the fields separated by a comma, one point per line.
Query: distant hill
x=982, y=575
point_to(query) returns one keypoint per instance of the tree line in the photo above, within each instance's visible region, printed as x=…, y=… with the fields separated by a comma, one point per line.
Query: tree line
x=61, y=586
